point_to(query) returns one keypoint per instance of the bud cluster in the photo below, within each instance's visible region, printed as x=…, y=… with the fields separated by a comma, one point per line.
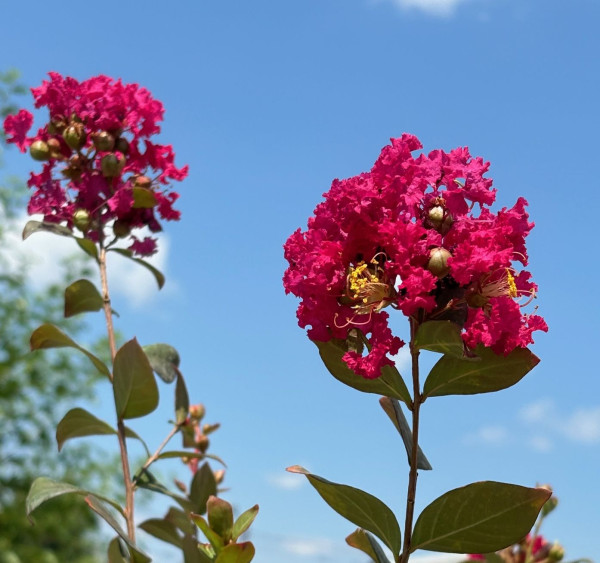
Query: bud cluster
x=101, y=173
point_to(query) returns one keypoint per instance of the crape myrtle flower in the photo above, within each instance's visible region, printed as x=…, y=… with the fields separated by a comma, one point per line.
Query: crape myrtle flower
x=100, y=167
x=414, y=234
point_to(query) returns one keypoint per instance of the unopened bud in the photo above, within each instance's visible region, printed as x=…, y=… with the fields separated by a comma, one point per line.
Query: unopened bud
x=202, y=443
x=81, y=219
x=39, y=150
x=197, y=411
x=121, y=228
x=556, y=553
x=112, y=164
x=104, y=141
x=74, y=135
x=180, y=485
x=438, y=262
x=436, y=215
x=122, y=145
x=57, y=125
x=210, y=428
x=55, y=148
x=142, y=182
x=219, y=476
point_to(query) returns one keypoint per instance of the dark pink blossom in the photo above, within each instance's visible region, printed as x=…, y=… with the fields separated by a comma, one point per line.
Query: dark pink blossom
x=16, y=128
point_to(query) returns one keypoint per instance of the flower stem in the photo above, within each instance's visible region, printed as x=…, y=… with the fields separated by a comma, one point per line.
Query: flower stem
x=129, y=488
x=413, y=474
x=160, y=448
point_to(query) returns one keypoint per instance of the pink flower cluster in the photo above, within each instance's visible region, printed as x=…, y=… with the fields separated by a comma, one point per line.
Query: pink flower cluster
x=415, y=234
x=541, y=551
x=100, y=166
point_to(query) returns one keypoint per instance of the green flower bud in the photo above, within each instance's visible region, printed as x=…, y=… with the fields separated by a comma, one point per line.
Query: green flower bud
x=142, y=182
x=556, y=553
x=202, y=443
x=74, y=135
x=104, y=141
x=112, y=164
x=122, y=145
x=39, y=150
x=82, y=220
x=55, y=149
x=197, y=412
x=436, y=215
x=438, y=262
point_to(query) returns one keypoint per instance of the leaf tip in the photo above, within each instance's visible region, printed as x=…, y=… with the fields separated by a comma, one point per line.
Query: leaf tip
x=297, y=469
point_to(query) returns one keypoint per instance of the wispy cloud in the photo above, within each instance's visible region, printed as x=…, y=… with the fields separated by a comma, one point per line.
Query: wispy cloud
x=44, y=251
x=286, y=481
x=583, y=426
x=309, y=547
x=440, y=8
x=490, y=435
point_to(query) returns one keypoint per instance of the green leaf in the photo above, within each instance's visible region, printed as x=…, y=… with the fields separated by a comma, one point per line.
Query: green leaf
x=37, y=226
x=163, y=530
x=136, y=555
x=182, y=400
x=117, y=552
x=181, y=520
x=394, y=411
x=440, y=336
x=134, y=386
x=220, y=517
x=50, y=336
x=160, y=278
x=243, y=522
x=491, y=372
x=143, y=198
x=236, y=553
x=202, y=487
x=215, y=539
x=129, y=433
x=164, y=360
x=390, y=383
x=366, y=543
x=88, y=246
x=192, y=552
x=145, y=480
x=479, y=518
x=79, y=422
x=43, y=489
x=361, y=508
x=82, y=296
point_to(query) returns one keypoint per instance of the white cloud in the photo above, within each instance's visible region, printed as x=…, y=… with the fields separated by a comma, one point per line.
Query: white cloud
x=315, y=547
x=538, y=411
x=583, y=426
x=441, y=8
x=402, y=359
x=541, y=443
x=43, y=252
x=286, y=481
x=490, y=435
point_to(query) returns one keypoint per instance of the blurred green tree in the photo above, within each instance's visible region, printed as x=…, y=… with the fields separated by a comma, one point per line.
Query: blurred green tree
x=36, y=389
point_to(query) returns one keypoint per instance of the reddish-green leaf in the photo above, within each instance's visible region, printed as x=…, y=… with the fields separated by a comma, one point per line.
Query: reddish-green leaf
x=440, y=336
x=134, y=386
x=361, y=508
x=202, y=487
x=160, y=278
x=220, y=517
x=244, y=521
x=236, y=553
x=117, y=552
x=182, y=401
x=390, y=383
x=479, y=518
x=366, y=543
x=50, y=336
x=82, y=296
x=194, y=553
x=394, y=411
x=37, y=226
x=484, y=374
x=79, y=422
x=215, y=539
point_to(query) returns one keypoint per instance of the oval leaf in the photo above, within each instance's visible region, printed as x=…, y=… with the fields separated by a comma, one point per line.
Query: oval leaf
x=117, y=552
x=479, y=518
x=158, y=276
x=390, y=383
x=50, y=336
x=366, y=543
x=163, y=530
x=82, y=296
x=79, y=422
x=440, y=336
x=143, y=198
x=164, y=360
x=394, y=411
x=489, y=372
x=220, y=517
x=361, y=508
x=244, y=521
x=134, y=386
x=182, y=400
x=236, y=553
x=88, y=246
x=37, y=226
x=202, y=487
x=215, y=540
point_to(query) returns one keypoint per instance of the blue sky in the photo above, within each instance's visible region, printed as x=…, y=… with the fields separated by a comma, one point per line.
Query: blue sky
x=268, y=102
